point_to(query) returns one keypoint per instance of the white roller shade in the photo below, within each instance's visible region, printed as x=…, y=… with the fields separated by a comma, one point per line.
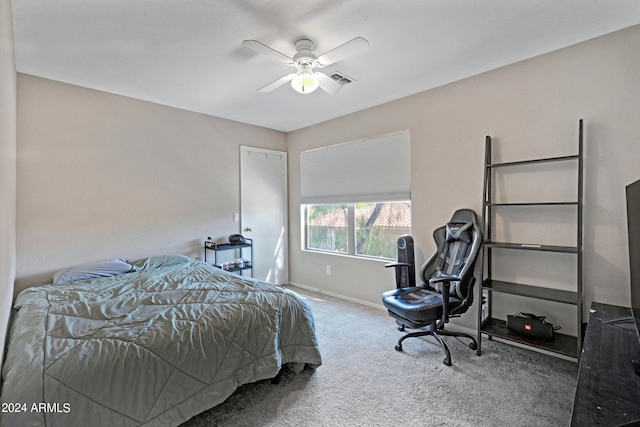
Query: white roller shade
x=371, y=170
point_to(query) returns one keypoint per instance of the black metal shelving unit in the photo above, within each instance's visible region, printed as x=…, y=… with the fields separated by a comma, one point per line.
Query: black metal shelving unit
x=217, y=247
x=565, y=345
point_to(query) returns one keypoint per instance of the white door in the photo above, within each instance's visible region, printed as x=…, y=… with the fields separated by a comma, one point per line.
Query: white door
x=263, y=199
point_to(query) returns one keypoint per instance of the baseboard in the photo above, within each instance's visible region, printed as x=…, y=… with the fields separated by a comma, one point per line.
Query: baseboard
x=339, y=296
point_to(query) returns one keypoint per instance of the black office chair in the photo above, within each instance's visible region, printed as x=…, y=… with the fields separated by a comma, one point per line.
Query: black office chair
x=447, y=284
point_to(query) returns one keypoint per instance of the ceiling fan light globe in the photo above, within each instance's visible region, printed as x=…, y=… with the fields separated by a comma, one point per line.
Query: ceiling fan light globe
x=305, y=82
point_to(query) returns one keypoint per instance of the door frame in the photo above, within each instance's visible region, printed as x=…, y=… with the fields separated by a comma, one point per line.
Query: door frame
x=285, y=208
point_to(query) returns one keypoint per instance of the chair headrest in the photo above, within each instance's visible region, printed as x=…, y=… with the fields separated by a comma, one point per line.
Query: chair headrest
x=458, y=231
x=462, y=216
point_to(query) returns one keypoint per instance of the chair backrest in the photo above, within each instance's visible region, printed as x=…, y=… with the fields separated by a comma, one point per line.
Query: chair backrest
x=458, y=245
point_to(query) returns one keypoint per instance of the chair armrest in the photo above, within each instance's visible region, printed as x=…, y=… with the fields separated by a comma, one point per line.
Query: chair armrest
x=444, y=278
x=445, y=303
x=397, y=264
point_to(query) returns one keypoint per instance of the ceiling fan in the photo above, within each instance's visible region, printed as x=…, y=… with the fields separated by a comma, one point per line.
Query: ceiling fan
x=305, y=79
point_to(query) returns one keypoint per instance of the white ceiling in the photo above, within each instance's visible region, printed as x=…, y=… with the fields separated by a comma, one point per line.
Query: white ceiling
x=188, y=53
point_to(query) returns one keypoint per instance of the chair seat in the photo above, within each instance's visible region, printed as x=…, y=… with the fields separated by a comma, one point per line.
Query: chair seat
x=415, y=304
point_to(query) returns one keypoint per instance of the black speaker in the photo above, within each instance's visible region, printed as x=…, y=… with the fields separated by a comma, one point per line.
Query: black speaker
x=530, y=325
x=405, y=255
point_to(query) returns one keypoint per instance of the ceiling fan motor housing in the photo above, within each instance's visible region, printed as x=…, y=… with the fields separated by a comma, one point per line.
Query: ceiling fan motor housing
x=304, y=54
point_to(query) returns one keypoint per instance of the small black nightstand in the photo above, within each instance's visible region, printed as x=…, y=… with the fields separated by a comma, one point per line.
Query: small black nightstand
x=232, y=267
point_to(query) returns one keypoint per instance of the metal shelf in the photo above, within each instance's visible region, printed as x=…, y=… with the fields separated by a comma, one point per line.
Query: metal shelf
x=565, y=345
x=532, y=247
x=533, y=161
x=533, y=204
x=217, y=247
x=225, y=246
x=562, y=344
x=539, y=292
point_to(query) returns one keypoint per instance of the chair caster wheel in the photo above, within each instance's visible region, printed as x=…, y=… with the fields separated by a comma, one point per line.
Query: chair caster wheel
x=473, y=345
x=447, y=361
x=398, y=347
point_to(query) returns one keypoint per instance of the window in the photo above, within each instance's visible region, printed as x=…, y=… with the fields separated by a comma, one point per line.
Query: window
x=362, y=229
x=327, y=228
x=355, y=196
x=378, y=226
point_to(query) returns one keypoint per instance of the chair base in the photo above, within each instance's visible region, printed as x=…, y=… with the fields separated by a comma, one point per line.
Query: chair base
x=432, y=331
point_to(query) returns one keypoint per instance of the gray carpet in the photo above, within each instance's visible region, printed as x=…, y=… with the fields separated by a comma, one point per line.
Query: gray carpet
x=363, y=381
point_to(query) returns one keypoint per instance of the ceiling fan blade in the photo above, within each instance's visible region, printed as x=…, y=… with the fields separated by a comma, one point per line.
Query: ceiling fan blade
x=350, y=48
x=276, y=84
x=266, y=50
x=328, y=84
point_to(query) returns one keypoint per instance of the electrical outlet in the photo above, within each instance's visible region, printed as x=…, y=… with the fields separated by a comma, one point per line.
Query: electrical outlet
x=327, y=269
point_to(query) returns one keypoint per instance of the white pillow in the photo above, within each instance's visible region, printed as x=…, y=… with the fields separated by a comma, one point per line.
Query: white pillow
x=92, y=270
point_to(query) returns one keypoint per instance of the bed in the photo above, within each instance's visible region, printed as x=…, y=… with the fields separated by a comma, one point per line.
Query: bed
x=153, y=347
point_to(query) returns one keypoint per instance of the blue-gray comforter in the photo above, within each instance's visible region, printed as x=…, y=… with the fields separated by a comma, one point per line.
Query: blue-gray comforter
x=153, y=347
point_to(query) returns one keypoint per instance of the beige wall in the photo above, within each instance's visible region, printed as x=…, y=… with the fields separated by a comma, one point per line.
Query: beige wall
x=531, y=109
x=102, y=176
x=7, y=169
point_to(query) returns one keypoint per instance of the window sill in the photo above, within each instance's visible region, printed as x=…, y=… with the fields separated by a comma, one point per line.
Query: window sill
x=343, y=255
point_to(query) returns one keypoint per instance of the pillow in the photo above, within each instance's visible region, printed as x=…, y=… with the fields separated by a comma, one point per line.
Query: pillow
x=457, y=231
x=160, y=261
x=92, y=270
